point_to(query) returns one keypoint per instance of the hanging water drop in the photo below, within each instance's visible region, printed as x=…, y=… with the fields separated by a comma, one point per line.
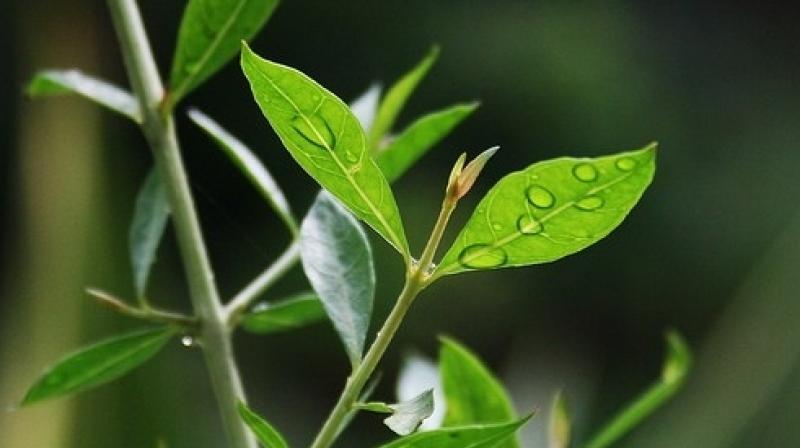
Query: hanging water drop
x=187, y=341
x=590, y=203
x=625, y=164
x=585, y=172
x=528, y=225
x=482, y=256
x=540, y=197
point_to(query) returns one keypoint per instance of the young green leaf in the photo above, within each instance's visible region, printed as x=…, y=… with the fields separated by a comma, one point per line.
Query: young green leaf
x=337, y=260
x=267, y=435
x=418, y=138
x=472, y=436
x=560, y=428
x=288, y=314
x=249, y=164
x=325, y=138
x=472, y=393
x=209, y=37
x=149, y=221
x=673, y=374
x=366, y=106
x=98, y=364
x=57, y=82
x=408, y=415
x=550, y=210
x=396, y=98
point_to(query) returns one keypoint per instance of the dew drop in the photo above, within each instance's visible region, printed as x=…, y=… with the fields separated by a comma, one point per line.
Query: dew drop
x=315, y=131
x=540, y=197
x=350, y=157
x=625, y=164
x=482, y=256
x=497, y=226
x=187, y=341
x=585, y=172
x=590, y=203
x=529, y=225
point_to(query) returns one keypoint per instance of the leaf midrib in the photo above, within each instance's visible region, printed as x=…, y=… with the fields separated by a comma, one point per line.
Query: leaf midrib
x=516, y=234
x=348, y=176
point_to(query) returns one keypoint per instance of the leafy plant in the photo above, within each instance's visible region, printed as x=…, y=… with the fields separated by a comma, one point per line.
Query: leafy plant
x=544, y=212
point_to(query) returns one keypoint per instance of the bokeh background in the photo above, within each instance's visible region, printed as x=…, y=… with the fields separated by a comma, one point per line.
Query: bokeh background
x=712, y=250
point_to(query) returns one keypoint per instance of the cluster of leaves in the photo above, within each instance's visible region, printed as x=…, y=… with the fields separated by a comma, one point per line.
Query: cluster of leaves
x=539, y=214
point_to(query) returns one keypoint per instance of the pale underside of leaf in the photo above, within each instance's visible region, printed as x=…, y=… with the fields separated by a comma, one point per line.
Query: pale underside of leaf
x=545, y=212
x=55, y=82
x=407, y=416
x=249, y=164
x=366, y=105
x=326, y=139
x=337, y=260
x=147, y=228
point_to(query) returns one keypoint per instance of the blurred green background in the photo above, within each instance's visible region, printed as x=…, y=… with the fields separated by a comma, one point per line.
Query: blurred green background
x=712, y=250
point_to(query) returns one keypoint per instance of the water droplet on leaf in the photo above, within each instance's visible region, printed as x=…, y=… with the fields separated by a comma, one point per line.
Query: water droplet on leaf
x=585, y=172
x=625, y=164
x=497, y=226
x=350, y=157
x=540, y=197
x=590, y=203
x=482, y=256
x=529, y=225
x=187, y=341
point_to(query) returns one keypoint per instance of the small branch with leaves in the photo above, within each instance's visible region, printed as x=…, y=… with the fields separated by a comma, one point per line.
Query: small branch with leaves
x=539, y=214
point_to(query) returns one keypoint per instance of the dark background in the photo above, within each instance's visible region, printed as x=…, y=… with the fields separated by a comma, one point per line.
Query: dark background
x=712, y=250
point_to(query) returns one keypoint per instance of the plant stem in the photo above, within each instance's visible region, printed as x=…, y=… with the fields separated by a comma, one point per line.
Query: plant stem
x=418, y=278
x=251, y=292
x=160, y=132
x=356, y=382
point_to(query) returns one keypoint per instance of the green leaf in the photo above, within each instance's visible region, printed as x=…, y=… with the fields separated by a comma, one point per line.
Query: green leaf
x=209, y=37
x=249, y=164
x=472, y=393
x=550, y=210
x=147, y=228
x=408, y=415
x=288, y=314
x=57, y=82
x=673, y=374
x=267, y=435
x=98, y=364
x=366, y=106
x=337, y=260
x=418, y=138
x=560, y=428
x=472, y=436
x=396, y=98
x=325, y=138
